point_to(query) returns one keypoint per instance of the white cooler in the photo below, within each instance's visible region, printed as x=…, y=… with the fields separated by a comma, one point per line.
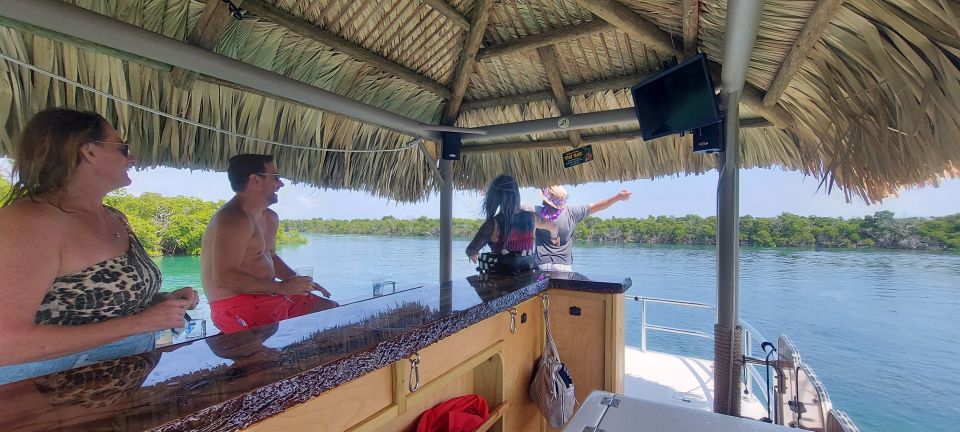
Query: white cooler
x=608, y=412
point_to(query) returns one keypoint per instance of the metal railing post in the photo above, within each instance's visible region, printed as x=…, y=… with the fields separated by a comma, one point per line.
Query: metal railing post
x=643, y=325
x=748, y=332
x=747, y=377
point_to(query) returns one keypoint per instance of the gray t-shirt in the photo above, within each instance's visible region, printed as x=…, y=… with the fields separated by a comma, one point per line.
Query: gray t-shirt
x=566, y=224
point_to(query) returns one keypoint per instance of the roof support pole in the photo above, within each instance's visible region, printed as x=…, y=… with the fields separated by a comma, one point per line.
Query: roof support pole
x=468, y=61
x=743, y=19
x=92, y=27
x=727, y=385
x=446, y=221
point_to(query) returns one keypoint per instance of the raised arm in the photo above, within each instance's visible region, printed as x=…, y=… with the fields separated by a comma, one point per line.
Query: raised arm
x=29, y=263
x=232, y=234
x=606, y=203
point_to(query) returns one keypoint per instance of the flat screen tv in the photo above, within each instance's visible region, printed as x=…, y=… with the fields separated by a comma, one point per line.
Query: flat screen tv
x=676, y=100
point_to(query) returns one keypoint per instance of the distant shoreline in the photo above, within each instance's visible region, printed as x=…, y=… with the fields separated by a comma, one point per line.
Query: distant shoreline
x=879, y=231
x=170, y=226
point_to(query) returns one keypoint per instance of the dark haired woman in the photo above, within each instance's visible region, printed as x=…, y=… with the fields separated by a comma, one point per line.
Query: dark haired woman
x=508, y=230
x=77, y=285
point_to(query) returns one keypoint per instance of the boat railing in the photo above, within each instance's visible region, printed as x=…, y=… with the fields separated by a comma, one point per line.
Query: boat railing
x=750, y=336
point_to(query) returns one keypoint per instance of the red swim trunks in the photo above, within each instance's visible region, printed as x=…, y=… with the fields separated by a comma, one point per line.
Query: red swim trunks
x=245, y=311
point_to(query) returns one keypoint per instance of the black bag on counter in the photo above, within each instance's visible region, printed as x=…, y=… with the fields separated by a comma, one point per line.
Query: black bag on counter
x=506, y=263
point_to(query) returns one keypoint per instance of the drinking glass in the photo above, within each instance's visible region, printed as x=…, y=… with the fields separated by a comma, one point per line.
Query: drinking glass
x=192, y=329
x=195, y=329
x=301, y=271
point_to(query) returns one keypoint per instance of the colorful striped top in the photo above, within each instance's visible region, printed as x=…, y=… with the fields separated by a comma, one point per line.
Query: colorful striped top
x=520, y=235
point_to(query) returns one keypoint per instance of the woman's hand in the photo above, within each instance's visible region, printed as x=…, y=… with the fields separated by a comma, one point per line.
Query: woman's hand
x=164, y=315
x=555, y=241
x=186, y=293
x=473, y=258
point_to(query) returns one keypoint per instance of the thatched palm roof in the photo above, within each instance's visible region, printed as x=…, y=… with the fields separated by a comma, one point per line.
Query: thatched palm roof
x=860, y=93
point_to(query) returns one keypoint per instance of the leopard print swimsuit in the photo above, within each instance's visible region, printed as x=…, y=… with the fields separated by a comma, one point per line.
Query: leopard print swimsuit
x=112, y=288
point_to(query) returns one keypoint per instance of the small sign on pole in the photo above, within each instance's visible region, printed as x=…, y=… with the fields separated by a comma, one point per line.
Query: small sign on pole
x=577, y=156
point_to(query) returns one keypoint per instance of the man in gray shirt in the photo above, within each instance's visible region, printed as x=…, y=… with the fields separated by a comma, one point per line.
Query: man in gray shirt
x=552, y=257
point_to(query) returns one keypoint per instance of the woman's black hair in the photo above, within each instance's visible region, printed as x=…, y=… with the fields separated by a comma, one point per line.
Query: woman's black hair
x=503, y=194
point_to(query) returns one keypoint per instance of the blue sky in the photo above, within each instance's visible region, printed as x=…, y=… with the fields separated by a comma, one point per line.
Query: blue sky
x=763, y=192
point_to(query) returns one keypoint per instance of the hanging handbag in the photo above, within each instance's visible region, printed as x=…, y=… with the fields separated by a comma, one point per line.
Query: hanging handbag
x=552, y=387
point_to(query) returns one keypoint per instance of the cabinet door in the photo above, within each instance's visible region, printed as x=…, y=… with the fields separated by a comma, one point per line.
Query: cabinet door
x=338, y=409
x=588, y=330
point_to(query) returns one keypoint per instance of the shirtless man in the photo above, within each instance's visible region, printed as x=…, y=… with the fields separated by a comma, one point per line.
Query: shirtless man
x=239, y=266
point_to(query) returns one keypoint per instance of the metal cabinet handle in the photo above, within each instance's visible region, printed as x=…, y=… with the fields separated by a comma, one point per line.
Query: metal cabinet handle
x=414, y=382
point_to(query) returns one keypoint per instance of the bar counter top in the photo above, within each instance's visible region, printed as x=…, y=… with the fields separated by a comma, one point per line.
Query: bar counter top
x=230, y=381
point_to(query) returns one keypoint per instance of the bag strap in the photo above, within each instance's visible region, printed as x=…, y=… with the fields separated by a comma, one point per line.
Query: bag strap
x=549, y=345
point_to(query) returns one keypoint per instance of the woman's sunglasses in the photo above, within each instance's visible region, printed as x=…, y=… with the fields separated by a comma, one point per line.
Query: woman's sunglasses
x=124, y=148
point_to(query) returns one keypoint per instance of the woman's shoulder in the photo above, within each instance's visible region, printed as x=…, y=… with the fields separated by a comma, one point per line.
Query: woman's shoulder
x=29, y=209
x=33, y=218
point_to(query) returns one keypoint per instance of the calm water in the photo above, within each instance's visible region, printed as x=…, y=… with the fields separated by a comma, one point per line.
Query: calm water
x=880, y=328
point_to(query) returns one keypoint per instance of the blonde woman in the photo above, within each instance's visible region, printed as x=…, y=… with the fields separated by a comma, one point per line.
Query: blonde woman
x=77, y=285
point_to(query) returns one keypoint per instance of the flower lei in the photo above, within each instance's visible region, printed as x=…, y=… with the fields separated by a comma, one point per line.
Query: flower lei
x=550, y=213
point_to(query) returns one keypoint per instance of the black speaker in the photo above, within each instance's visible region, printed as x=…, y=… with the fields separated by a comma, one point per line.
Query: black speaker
x=709, y=139
x=451, y=146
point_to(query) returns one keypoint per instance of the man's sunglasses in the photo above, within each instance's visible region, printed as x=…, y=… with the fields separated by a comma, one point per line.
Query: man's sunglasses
x=123, y=147
x=275, y=176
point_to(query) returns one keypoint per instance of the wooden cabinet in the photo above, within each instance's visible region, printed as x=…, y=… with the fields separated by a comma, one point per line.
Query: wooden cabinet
x=486, y=358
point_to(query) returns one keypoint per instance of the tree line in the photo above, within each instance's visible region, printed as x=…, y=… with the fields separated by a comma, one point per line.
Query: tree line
x=175, y=225
x=169, y=225
x=880, y=230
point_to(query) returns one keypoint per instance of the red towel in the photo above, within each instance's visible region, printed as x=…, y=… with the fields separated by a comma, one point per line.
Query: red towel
x=460, y=414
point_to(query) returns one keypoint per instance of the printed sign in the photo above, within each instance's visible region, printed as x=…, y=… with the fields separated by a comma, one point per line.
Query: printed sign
x=577, y=156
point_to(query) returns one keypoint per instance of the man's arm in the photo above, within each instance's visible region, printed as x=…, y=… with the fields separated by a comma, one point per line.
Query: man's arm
x=280, y=268
x=271, y=223
x=231, y=237
x=606, y=203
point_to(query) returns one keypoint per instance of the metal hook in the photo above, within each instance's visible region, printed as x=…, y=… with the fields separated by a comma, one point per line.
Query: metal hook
x=414, y=382
x=513, y=320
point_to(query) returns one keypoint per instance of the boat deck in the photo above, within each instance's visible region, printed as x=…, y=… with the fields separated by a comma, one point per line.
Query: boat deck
x=677, y=380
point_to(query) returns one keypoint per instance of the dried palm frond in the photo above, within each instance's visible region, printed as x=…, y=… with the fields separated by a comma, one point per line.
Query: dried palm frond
x=873, y=105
